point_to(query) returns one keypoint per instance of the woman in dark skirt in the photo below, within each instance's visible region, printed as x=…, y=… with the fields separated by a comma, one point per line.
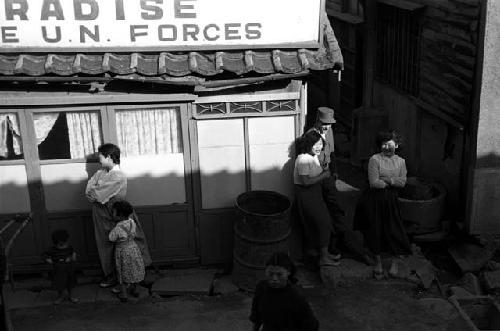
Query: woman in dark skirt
x=377, y=214
x=311, y=207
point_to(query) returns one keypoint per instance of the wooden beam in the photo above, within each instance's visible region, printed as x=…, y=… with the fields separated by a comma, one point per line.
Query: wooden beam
x=403, y=4
x=470, y=145
x=370, y=40
x=438, y=113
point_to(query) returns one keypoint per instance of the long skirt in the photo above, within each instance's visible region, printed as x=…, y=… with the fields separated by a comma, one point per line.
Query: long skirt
x=378, y=217
x=314, y=215
x=103, y=223
x=129, y=263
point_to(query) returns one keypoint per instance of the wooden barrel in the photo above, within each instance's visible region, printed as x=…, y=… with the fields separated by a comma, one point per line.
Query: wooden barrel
x=262, y=229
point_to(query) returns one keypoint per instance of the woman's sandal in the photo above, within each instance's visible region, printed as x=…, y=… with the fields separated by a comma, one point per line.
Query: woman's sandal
x=135, y=293
x=116, y=290
x=328, y=263
x=393, y=272
x=378, y=274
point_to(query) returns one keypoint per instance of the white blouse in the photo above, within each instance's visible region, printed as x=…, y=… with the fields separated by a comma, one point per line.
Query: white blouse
x=306, y=165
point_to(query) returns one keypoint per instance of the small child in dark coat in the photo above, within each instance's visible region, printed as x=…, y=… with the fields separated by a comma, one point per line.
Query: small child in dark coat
x=62, y=258
x=277, y=305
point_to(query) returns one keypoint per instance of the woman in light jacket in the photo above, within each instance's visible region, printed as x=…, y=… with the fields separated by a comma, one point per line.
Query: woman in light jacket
x=106, y=186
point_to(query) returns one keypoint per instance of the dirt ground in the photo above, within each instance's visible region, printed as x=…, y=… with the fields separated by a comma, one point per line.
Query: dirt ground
x=366, y=305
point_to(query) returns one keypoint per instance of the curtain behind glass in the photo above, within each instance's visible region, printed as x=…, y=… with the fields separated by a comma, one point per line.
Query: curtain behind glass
x=8, y=122
x=149, y=131
x=84, y=135
x=43, y=124
x=83, y=131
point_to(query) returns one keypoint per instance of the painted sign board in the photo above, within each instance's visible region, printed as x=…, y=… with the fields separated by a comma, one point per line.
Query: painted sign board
x=156, y=25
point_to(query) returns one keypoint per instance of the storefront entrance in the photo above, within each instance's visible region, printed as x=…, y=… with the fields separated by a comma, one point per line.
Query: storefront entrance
x=155, y=157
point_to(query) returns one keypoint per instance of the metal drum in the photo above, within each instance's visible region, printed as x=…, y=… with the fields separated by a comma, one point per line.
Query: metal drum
x=262, y=229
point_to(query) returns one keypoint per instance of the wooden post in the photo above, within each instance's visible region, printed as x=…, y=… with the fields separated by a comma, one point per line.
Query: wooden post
x=471, y=132
x=33, y=172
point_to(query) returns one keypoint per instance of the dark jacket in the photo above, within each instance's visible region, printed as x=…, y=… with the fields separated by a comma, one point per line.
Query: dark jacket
x=283, y=309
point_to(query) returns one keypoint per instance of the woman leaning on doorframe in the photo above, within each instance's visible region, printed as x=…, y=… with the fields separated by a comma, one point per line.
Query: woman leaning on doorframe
x=377, y=214
x=107, y=185
x=311, y=207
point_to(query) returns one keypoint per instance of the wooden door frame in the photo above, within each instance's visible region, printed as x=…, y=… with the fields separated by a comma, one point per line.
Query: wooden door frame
x=186, y=150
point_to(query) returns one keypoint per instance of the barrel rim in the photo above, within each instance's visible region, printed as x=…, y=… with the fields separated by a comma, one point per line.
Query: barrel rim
x=440, y=188
x=281, y=196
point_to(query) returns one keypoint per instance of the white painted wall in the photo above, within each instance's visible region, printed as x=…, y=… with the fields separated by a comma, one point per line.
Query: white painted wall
x=152, y=180
x=222, y=161
x=64, y=185
x=271, y=160
x=155, y=180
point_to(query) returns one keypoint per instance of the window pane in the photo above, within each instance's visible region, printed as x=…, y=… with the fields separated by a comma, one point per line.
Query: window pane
x=11, y=147
x=67, y=135
x=149, y=131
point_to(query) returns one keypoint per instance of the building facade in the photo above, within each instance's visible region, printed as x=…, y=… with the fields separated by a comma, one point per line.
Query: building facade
x=209, y=115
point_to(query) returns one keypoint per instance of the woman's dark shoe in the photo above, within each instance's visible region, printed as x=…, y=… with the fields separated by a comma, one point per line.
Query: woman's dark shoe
x=368, y=260
x=116, y=290
x=335, y=253
x=325, y=261
x=133, y=291
x=107, y=283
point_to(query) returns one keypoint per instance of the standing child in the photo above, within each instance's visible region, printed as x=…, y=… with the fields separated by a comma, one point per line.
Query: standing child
x=62, y=258
x=128, y=258
x=277, y=305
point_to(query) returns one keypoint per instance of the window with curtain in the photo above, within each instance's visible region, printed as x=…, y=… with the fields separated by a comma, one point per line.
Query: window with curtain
x=67, y=135
x=10, y=137
x=149, y=131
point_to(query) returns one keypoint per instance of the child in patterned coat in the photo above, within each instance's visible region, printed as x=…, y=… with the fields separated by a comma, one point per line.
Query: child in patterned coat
x=128, y=257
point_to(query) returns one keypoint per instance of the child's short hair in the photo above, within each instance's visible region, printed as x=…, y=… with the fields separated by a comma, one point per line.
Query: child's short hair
x=123, y=208
x=282, y=259
x=60, y=236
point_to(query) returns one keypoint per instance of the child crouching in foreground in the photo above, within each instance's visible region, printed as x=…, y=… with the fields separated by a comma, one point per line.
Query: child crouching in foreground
x=277, y=305
x=62, y=258
x=128, y=257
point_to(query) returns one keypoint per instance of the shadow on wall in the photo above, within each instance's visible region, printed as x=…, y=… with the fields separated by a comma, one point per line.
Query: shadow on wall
x=171, y=231
x=162, y=208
